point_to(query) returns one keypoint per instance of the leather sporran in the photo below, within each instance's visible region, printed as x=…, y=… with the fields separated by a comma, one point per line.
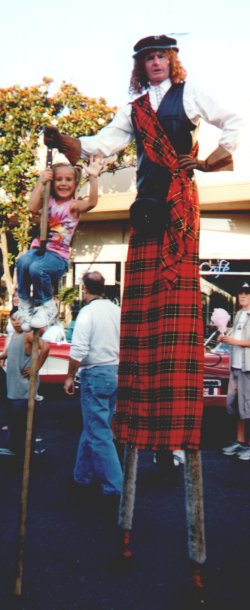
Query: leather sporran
x=149, y=216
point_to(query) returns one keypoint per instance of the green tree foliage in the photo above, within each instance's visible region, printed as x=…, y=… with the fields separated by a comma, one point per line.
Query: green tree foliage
x=23, y=114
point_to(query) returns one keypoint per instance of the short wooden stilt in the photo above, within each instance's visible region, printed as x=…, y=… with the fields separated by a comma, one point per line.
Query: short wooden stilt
x=195, y=522
x=126, y=552
x=127, y=503
x=26, y=466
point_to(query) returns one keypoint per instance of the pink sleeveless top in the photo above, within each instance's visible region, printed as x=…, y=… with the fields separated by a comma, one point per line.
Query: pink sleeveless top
x=61, y=228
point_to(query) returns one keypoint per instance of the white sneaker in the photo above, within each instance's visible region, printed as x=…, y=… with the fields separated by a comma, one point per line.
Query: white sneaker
x=244, y=454
x=39, y=319
x=233, y=449
x=6, y=451
x=25, y=309
x=51, y=310
x=179, y=457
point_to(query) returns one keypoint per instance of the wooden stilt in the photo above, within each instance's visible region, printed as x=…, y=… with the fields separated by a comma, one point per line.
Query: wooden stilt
x=127, y=503
x=26, y=467
x=195, y=520
x=31, y=405
x=44, y=215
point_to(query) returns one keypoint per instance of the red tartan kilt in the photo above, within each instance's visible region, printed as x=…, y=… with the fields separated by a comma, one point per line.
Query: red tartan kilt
x=160, y=396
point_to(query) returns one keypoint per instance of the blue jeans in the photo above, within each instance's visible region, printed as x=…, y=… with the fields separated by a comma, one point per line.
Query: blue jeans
x=41, y=272
x=97, y=458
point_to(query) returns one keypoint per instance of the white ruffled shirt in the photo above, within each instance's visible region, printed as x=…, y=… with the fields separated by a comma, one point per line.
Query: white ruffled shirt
x=197, y=105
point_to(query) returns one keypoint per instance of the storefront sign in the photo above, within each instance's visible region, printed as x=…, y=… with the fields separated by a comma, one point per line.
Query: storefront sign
x=222, y=266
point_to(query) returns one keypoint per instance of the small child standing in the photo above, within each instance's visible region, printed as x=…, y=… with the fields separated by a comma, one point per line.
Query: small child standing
x=18, y=354
x=42, y=269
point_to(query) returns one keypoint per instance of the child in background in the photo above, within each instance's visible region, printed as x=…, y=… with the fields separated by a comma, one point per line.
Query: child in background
x=40, y=269
x=238, y=398
x=18, y=354
x=9, y=325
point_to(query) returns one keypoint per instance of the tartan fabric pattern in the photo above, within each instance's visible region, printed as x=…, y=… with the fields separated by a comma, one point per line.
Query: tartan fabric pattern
x=160, y=390
x=182, y=198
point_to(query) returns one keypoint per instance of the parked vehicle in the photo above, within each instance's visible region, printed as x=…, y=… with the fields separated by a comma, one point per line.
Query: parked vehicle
x=216, y=375
x=55, y=367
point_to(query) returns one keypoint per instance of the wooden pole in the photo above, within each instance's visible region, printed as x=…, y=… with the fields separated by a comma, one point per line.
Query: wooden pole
x=26, y=467
x=46, y=194
x=195, y=521
x=127, y=502
x=31, y=405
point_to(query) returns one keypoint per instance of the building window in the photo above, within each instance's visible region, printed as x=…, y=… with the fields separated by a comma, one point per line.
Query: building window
x=110, y=271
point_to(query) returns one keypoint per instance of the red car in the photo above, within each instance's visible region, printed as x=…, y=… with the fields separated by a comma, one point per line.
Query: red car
x=55, y=367
x=217, y=368
x=216, y=375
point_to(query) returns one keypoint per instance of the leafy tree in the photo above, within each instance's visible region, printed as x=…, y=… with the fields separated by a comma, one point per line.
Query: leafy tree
x=23, y=114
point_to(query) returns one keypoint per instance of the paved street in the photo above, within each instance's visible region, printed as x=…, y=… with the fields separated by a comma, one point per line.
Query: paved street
x=70, y=560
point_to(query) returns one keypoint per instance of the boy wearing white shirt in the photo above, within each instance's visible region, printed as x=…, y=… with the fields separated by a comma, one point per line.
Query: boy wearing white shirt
x=238, y=399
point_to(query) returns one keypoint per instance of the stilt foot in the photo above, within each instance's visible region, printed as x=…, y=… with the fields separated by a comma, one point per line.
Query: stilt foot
x=199, y=589
x=125, y=550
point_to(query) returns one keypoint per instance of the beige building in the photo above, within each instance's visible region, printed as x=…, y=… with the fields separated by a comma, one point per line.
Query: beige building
x=101, y=240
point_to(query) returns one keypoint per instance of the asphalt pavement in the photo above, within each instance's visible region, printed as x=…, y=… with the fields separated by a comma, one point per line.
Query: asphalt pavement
x=70, y=554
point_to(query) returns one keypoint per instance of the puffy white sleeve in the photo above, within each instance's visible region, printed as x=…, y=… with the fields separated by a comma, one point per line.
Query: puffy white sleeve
x=199, y=105
x=112, y=138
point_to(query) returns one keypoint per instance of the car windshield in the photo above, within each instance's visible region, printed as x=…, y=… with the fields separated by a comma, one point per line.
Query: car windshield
x=221, y=348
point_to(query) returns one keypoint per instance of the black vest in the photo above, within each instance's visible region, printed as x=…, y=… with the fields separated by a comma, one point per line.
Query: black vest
x=152, y=179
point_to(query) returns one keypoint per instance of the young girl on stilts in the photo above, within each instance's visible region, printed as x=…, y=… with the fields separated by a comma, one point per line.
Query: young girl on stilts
x=42, y=268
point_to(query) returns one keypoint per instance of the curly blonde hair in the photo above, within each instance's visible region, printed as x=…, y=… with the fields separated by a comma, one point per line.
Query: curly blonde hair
x=139, y=80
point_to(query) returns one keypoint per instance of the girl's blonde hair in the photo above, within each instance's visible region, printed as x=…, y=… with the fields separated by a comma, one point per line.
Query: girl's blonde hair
x=139, y=79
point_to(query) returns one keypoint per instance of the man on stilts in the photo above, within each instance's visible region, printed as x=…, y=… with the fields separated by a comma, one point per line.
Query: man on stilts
x=160, y=396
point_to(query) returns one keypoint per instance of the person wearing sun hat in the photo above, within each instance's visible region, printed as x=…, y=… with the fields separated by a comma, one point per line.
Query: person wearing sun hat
x=238, y=398
x=160, y=388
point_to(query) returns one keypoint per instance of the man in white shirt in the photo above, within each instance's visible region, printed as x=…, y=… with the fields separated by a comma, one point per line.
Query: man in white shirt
x=238, y=400
x=95, y=350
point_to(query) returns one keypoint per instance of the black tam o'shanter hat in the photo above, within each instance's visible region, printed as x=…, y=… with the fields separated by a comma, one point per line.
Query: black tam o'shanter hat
x=154, y=42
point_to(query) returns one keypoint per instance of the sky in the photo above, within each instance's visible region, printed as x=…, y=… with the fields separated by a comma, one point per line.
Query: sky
x=90, y=44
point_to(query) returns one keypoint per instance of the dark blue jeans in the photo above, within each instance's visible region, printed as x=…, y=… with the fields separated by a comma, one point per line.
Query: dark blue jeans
x=97, y=458
x=41, y=272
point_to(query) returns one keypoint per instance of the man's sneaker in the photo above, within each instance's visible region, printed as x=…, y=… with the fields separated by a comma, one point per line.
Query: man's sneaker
x=244, y=454
x=233, y=449
x=179, y=457
x=51, y=310
x=38, y=439
x=6, y=451
x=39, y=398
x=39, y=451
x=25, y=310
x=39, y=319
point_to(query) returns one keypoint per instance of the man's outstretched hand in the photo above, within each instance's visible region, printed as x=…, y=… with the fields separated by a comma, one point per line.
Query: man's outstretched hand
x=69, y=146
x=52, y=137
